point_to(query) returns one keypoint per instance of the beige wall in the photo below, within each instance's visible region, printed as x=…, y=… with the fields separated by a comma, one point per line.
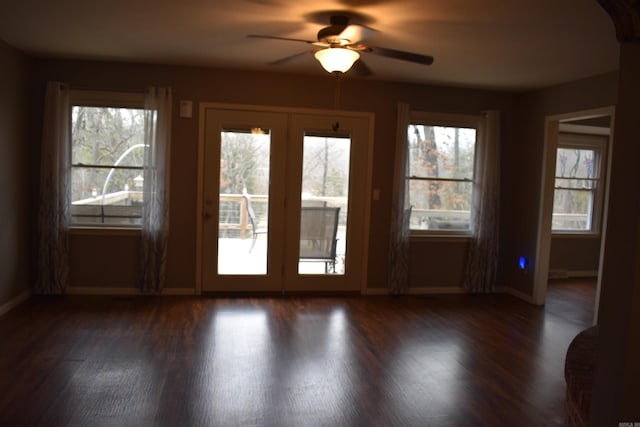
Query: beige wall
x=437, y=265
x=522, y=146
x=104, y=261
x=575, y=254
x=14, y=175
x=272, y=89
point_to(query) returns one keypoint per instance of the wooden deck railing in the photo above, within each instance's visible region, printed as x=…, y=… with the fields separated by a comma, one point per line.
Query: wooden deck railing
x=242, y=222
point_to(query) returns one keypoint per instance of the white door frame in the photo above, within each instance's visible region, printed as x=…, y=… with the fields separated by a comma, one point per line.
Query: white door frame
x=543, y=243
x=204, y=106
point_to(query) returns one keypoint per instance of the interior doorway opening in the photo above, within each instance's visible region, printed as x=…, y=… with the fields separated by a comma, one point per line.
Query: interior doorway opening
x=591, y=122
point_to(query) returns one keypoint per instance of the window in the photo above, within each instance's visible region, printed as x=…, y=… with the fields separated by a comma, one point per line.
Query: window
x=577, y=198
x=107, y=158
x=441, y=155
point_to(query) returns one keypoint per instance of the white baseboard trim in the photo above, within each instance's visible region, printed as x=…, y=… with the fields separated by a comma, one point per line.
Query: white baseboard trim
x=376, y=291
x=516, y=293
x=439, y=290
x=8, y=306
x=567, y=274
x=583, y=273
x=179, y=291
x=558, y=274
x=88, y=290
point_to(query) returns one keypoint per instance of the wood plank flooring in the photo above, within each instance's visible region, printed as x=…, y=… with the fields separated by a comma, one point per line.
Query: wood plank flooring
x=462, y=360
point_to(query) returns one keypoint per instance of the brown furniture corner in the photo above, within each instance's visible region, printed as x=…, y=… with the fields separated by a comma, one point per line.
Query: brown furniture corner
x=579, y=368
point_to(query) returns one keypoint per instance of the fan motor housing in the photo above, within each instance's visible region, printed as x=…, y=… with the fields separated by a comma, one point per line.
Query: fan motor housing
x=331, y=34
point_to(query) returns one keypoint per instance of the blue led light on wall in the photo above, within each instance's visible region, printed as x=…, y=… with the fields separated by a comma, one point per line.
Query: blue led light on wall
x=522, y=263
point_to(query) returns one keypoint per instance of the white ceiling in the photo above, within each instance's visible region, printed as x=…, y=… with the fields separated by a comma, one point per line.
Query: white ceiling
x=502, y=44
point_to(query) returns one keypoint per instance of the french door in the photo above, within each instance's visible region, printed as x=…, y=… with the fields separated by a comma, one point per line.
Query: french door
x=284, y=201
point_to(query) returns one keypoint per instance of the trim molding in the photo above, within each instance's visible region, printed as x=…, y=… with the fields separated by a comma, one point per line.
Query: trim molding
x=585, y=130
x=583, y=273
x=439, y=290
x=179, y=291
x=375, y=291
x=86, y=290
x=567, y=274
x=8, y=306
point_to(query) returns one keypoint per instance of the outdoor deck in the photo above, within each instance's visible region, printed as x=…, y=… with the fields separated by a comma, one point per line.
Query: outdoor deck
x=234, y=256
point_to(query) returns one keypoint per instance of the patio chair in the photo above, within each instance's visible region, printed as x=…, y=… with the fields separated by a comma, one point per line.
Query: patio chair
x=253, y=218
x=313, y=203
x=318, y=229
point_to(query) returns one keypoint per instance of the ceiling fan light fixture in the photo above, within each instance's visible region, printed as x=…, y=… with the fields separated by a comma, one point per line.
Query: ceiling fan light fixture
x=337, y=59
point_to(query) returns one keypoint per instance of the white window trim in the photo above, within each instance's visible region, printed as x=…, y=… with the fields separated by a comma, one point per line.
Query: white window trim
x=587, y=142
x=113, y=99
x=104, y=230
x=444, y=120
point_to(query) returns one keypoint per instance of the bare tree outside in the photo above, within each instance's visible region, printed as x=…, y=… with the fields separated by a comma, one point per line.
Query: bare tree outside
x=100, y=136
x=244, y=164
x=575, y=186
x=107, y=157
x=326, y=166
x=441, y=161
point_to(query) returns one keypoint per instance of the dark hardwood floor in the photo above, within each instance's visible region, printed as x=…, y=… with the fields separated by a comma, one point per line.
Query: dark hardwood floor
x=293, y=361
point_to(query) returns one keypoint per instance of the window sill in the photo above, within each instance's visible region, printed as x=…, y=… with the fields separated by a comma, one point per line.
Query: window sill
x=574, y=235
x=104, y=231
x=435, y=236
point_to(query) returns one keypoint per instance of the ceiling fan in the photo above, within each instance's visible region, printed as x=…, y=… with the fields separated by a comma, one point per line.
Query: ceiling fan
x=339, y=48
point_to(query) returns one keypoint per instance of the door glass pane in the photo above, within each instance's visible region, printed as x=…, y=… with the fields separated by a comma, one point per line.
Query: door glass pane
x=324, y=202
x=244, y=201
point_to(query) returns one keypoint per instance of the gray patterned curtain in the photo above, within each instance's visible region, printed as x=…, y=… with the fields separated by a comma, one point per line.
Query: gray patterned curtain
x=401, y=211
x=55, y=194
x=155, y=211
x=482, y=257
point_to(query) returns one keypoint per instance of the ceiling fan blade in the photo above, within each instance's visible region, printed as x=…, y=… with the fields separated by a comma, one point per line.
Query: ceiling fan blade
x=361, y=69
x=258, y=36
x=398, y=54
x=289, y=58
